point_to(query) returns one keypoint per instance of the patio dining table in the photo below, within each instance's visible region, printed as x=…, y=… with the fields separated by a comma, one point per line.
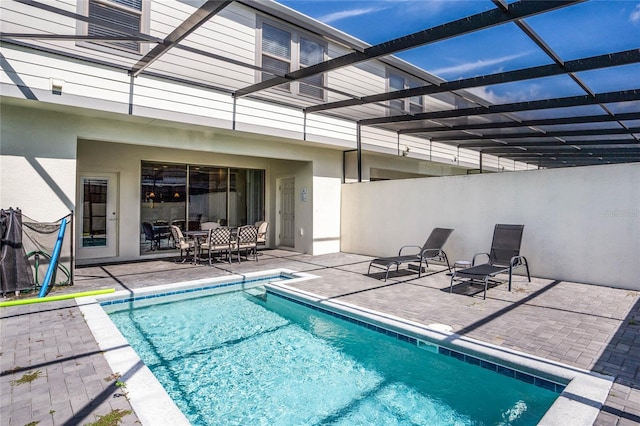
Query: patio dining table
x=198, y=236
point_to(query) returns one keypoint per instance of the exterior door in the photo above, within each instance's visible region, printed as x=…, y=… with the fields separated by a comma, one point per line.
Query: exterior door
x=287, y=209
x=97, y=215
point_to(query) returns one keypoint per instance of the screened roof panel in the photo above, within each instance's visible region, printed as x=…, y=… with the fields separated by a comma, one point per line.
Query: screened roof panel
x=532, y=80
x=559, y=112
x=589, y=28
x=530, y=90
x=622, y=107
x=488, y=51
x=608, y=139
x=578, y=126
x=612, y=79
x=425, y=14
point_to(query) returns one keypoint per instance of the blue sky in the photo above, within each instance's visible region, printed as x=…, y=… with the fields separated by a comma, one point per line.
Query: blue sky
x=586, y=29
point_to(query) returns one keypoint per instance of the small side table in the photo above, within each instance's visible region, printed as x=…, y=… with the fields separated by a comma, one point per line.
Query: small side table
x=461, y=264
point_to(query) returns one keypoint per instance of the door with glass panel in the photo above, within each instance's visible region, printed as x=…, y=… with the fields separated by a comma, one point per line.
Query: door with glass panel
x=97, y=214
x=287, y=212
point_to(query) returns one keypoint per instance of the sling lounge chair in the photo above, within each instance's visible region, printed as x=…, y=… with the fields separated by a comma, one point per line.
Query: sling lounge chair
x=432, y=249
x=504, y=257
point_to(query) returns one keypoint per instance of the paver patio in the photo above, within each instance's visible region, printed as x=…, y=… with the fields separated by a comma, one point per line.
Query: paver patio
x=590, y=327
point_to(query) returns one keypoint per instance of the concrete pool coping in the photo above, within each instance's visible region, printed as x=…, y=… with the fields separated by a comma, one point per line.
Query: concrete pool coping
x=579, y=403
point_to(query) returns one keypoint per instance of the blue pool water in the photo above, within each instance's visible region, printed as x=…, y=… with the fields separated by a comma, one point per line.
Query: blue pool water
x=240, y=360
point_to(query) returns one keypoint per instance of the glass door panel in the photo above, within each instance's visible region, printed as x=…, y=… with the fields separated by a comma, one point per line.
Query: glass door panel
x=98, y=215
x=207, y=195
x=246, y=196
x=163, y=203
x=189, y=195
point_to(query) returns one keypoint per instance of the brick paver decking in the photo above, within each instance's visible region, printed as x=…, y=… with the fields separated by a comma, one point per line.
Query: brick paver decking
x=591, y=327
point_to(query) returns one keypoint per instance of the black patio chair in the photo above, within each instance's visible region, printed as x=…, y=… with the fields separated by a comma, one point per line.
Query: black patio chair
x=503, y=257
x=432, y=249
x=150, y=236
x=156, y=233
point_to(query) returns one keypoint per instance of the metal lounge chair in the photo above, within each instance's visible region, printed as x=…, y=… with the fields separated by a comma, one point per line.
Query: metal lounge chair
x=432, y=249
x=504, y=257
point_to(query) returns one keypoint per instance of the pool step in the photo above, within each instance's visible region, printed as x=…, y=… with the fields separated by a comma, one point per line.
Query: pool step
x=259, y=293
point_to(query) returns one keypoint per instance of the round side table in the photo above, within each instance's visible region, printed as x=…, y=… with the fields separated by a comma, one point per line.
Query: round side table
x=461, y=264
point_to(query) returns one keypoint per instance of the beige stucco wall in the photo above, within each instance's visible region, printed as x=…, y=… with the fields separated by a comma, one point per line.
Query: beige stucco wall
x=37, y=164
x=581, y=224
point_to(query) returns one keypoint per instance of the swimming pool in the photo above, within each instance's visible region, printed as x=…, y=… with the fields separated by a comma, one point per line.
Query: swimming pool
x=272, y=360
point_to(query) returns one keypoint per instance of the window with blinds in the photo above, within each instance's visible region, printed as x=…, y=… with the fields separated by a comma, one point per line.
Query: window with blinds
x=285, y=51
x=276, y=53
x=311, y=53
x=396, y=82
x=413, y=105
x=124, y=13
x=416, y=103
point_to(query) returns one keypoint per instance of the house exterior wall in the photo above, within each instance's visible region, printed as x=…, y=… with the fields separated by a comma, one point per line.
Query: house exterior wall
x=43, y=153
x=581, y=224
x=189, y=88
x=37, y=164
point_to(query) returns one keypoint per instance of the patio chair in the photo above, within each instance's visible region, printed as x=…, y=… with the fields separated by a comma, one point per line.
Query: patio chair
x=262, y=232
x=218, y=241
x=205, y=226
x=503, y=257
x=149, y=235
x=247, y=241
x=432, y=249
x=182, y=243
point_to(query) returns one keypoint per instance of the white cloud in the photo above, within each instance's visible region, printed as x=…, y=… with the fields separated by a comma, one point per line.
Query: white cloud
x=519, y=93
x=336, y=16
x=476, y=65
x=489, y=95
x=635, y=15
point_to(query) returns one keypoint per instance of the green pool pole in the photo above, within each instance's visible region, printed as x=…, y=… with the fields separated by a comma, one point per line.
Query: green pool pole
x=54, y=298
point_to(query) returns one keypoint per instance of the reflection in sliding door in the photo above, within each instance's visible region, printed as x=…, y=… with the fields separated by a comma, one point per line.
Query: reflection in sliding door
x=246, y=196
x=207, y=195
x=189, y=195
x=162, y=204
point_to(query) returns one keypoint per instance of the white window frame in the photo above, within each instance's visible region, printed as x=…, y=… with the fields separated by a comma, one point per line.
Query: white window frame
x=407, y=103
x=294, y=61
x=108, y=47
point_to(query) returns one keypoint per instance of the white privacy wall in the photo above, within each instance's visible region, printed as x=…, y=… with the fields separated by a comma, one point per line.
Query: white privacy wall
x=581, y=224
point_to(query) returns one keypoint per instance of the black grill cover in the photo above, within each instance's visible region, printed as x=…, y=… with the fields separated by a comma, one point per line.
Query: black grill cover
x=15, y=271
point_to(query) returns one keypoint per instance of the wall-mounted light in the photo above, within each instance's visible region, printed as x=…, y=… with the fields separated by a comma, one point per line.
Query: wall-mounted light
x=176, y=195
x=56, y=86
x=152, y=195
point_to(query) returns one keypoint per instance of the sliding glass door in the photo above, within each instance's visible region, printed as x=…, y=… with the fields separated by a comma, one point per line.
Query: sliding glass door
x=207, y=195
x=246, y=196
x=163, y=202
x=188, y=195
